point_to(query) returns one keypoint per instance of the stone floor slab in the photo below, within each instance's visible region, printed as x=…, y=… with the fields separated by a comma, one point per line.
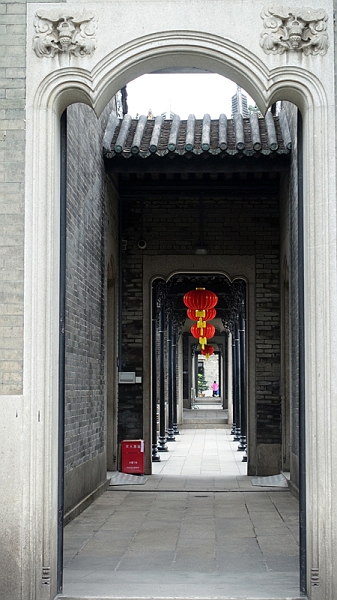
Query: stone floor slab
x=186, y=535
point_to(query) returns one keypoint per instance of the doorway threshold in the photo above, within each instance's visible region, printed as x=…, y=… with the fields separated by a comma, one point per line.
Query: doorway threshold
x=189, y=586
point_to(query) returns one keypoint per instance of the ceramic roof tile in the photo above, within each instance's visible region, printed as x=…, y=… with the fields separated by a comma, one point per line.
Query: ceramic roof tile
x=246, y=136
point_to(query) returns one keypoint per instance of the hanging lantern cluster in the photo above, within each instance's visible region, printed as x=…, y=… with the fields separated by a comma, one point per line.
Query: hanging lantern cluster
x=200, y=303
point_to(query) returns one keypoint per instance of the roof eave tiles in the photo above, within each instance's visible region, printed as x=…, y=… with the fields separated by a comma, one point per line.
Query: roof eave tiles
x=244, y=136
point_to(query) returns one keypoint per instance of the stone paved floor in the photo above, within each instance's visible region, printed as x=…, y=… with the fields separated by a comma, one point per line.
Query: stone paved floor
x=202, y=452
x=185, y=534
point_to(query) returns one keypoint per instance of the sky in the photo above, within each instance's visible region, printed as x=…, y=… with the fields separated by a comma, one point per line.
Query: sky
x=182, y=94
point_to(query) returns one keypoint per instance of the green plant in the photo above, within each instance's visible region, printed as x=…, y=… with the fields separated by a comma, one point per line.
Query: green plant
x=202, y=383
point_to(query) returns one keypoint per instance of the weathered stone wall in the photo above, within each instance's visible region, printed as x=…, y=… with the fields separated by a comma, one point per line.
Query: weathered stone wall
x=233, y=225
x=86, y=304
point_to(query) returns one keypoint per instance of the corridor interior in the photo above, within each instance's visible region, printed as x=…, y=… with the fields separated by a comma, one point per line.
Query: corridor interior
x=197, y=527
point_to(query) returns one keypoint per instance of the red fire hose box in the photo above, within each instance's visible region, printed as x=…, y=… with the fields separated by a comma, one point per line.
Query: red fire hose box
x=133, y=456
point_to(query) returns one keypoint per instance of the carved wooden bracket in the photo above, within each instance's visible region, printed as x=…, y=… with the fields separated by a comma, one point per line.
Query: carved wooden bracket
x=64, y=33
x=297, y=29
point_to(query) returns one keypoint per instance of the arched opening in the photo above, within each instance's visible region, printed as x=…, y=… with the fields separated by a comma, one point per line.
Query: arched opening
x=180, y=375
x=294, y=94
x=138, y=211
x=166, y=199
x=177, y=386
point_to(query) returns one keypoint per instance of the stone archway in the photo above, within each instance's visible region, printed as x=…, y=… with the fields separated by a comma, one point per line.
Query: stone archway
x=267, y=78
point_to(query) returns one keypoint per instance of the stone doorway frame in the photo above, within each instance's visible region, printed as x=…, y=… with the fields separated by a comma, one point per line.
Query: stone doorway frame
x=233, y=268
x=49, y=92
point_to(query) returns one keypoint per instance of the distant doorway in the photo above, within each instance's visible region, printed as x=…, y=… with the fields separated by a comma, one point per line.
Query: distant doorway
x=208, y=377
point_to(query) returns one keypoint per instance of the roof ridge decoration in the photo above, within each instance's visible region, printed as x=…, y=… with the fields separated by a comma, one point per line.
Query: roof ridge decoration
x=64, y=33
x=300, y=29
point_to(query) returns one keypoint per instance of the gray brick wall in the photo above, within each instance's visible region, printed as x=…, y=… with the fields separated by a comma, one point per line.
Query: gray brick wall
x=12, y=180
x=268, y=410
x=12, y=173
x=130, y=401
x=85, y=287
x=233, y=225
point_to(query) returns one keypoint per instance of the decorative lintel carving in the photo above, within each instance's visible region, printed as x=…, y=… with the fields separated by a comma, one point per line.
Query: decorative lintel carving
x=64, y=33
x=297, y=29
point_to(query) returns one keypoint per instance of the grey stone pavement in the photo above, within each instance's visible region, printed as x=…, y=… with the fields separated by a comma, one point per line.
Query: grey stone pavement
x=197, y=528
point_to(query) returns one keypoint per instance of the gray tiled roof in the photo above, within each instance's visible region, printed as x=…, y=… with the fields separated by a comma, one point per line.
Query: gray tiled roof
x=143, y=137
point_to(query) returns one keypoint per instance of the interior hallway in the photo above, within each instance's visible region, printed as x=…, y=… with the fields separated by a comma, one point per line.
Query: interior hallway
x=197, y=527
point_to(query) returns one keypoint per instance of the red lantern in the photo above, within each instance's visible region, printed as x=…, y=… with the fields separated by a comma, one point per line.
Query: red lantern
x=210, y=314
x=195, y=331
x=200, y=299
x=208, y=332
x=207, y=351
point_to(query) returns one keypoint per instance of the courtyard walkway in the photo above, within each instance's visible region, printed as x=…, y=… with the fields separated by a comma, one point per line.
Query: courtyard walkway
x=197, y=528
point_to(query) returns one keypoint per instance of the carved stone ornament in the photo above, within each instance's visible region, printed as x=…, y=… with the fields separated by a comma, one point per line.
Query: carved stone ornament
x=297, y=29
x=64, y=33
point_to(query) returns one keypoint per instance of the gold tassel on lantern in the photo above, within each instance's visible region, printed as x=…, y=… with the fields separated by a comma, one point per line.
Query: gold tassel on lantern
x=202, y=342
x=201, y=324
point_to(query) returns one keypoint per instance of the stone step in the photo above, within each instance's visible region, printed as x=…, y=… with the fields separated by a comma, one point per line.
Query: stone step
x=209, y=400
x=205, y=425
x=201, y=419
x=181, y=597
x=205, y=418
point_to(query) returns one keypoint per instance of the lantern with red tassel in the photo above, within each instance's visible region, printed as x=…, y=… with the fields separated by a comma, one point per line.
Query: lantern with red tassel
x=207, y=351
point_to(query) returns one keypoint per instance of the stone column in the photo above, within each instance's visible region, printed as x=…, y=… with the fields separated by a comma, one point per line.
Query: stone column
x=170, y=432
x=155, y=455
x=174, y=381
x=229, y=368
x=162, y=446
x=237, y=382
x=242, y=337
